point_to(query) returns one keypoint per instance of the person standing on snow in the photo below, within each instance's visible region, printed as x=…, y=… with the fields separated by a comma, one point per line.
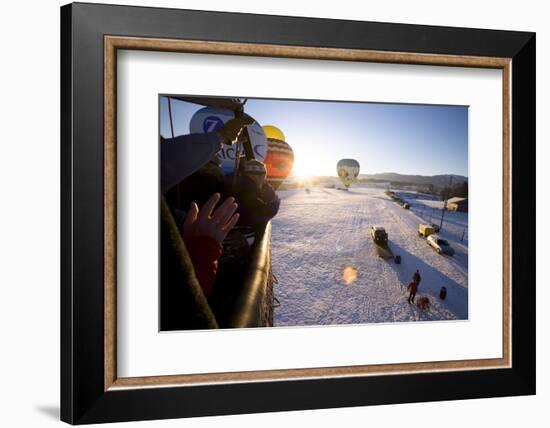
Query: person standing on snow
x=416, y=277
x=413, y=287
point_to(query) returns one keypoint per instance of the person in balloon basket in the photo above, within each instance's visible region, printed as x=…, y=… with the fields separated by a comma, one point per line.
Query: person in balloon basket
x=258, y=202
x=202, y=229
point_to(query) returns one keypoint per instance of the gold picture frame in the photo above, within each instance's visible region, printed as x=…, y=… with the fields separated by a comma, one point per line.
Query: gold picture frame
x=114, y=43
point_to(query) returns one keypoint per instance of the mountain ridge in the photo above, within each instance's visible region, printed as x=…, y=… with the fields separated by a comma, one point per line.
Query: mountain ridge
x=439, y=180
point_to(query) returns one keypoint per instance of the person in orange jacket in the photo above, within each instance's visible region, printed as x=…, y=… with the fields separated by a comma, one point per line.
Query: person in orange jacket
x=413, y=288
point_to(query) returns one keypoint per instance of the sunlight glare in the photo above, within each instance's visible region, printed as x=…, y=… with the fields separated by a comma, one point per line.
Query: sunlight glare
x=349, y=274
x=304, y=167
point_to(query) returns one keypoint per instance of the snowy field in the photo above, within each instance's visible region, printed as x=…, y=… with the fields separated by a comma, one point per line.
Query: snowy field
x=328, y=270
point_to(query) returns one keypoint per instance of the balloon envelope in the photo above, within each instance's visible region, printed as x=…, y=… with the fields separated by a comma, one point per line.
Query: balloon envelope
x=348, y=170
x=278, y=162
x=279, y=158
x=274, y=132
x=209, y=119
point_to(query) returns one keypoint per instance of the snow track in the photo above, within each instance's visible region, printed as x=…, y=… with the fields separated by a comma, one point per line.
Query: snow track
x=329, y=271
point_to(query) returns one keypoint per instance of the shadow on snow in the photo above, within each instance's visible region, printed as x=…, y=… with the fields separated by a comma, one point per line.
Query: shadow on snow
x=431, y=282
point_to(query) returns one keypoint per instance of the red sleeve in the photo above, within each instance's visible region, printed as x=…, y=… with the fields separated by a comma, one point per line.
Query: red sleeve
x=204, y=253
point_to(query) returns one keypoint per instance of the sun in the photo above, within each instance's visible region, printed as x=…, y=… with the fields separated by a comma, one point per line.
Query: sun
x=302, y=169
x=302, y=175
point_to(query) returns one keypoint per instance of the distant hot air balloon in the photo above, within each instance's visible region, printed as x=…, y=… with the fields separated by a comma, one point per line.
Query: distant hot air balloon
x=279, y=158
x=348, y=170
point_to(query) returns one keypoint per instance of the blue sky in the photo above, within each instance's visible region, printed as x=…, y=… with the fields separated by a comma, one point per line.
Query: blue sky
x=402, y=138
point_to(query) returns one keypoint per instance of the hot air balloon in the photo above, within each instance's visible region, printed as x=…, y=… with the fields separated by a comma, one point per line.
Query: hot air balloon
x=279, y=158
x=210, y=119
x=348, y=170
x=274, y=133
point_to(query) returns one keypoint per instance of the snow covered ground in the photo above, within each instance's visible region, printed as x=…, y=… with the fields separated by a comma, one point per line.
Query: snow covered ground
x=328, y=270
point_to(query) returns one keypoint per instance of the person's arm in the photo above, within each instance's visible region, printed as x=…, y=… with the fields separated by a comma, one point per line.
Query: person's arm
x=271, y=198
x=181, y=156
x=203, y=232
x=204, y=253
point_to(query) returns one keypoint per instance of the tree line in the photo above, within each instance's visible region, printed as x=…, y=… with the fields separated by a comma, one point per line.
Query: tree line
x=456, y=191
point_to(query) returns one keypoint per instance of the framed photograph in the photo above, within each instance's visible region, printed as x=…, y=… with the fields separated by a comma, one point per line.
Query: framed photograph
x=267, y=213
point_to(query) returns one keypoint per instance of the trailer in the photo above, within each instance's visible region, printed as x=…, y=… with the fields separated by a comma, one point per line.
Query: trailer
x=383, y=250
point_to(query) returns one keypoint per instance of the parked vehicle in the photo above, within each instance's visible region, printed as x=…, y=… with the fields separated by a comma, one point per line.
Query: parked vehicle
x=425, y=230
x=380, y=238
x=440, y=245
x=379, y=234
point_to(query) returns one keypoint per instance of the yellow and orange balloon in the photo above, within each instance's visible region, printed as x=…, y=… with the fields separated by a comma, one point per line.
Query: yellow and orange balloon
x=279, y=158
